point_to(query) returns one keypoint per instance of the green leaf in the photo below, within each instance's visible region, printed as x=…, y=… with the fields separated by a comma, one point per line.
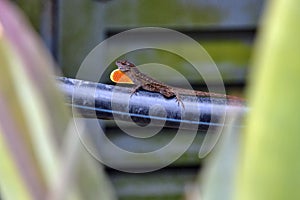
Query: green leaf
x=270, y=160
x=39, y=146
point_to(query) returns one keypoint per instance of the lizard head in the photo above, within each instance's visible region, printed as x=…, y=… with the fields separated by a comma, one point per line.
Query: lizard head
x=124, y=65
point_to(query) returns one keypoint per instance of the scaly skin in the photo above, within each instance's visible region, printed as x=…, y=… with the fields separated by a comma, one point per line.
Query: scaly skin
x=145, y=82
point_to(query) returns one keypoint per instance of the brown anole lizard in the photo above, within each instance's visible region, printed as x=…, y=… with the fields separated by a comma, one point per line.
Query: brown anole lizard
x=145, y=82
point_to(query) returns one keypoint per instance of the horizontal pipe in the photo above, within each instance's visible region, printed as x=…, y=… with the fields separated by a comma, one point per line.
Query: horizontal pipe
x=102, y=101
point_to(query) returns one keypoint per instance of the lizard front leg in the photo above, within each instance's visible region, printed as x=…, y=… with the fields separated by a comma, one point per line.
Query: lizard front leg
x=135, y=89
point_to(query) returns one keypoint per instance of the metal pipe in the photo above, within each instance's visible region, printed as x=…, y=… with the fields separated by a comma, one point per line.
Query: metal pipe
x=102, y=101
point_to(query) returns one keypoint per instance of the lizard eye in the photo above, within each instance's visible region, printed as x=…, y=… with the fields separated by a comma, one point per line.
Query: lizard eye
x=124, y=65
x=129, y=64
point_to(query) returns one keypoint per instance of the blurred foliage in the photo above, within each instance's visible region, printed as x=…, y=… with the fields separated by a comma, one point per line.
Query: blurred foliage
x=217, y=178
x=270, y=162
x=100, y=19
x=40, y=152
x=148, y=13
x=33, y=10
x=35, y=104
x=181, y=13
x=237, y=53
x=231, y=58
x=82, y=28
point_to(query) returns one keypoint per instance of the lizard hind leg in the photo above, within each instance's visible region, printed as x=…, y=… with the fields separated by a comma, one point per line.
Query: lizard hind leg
x=169, y=93
x=178, y=100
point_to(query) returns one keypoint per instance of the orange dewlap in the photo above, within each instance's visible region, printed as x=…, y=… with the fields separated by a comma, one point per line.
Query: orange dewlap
x=119, y=77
